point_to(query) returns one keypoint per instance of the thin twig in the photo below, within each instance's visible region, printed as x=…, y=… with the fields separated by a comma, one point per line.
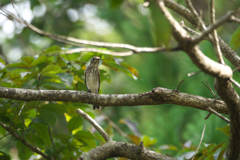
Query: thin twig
x=215, y=40
x=115, y=126
x=28, y=132
x=209, y=114
x=210, y=88
x=21, y=139
x=179, y=84
x=50, y=134
x=219, y=22
x=235, y=82
x=234, y=19
x=193, y=73
x=217, y=114
x=95, y=136
x=94, y=124
x=199, y=142
x=19, y=114
x=196, y=16
x=5, y=136
x=76, y=42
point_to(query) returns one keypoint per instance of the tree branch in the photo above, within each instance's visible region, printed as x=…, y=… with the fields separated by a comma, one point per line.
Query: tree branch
x=33, y=148
x=80, y=42
x=117, y=149
x=215, y=40
x=212, y=27
x=230, y=96
x=121, y=149
x=155, y=97
x=228, y=53
x=94, y=124
x=201, y=61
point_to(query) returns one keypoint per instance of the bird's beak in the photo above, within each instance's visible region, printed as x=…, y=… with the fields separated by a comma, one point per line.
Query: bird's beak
x=98, y=59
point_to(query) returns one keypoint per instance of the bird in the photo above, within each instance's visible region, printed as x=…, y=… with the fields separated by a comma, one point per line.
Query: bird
x=92, y=77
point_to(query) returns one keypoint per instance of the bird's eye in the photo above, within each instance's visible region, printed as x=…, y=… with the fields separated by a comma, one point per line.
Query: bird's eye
x=94, y=58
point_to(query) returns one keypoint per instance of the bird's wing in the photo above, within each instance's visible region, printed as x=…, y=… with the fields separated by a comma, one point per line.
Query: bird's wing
x=98, y=72
x=85, y=78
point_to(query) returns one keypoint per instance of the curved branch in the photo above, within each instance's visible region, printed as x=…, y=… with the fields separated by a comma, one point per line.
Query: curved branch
x=121, y=149
x=230, y=96
x=228, y=53
x=203, y=62
x=155, y=97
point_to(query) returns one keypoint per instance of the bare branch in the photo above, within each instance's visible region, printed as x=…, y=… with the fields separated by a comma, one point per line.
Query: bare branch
x=195, y=14
x=215, y=40
x=113, y=53
x=217, y=114
x=80, y=42
x=121, y=149
x=19, y=114
x=115, y=126
x=204, y=63
x=234, y=19
x=94, y=124
x=33, y=148
x=228, y=53
x=155, y=97
x=219, y=22
x=199, y=142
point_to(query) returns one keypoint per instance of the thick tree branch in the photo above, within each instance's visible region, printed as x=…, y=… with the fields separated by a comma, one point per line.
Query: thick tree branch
x=117, y=149
x=21, y=139
x=228, y=53
x=155, y=97
x=204, y=63
x=230, y=96
x=121, y=149
x=223, y=85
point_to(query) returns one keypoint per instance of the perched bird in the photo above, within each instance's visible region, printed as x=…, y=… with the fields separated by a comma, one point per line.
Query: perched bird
x=92, y=77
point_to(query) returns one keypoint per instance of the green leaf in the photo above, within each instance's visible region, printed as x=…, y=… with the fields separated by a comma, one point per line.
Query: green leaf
x=4, y=156
x=67, y=78
x=86, y=137
x=162, y=28
x=225, y=130
x=55, y=108
x=47, y=116
x=70, y=57
x=28, y=60
x=64, y=138
x=74, y=123
x=235, y=40
x=51, y=69
x=42, y=132
x=130, y=68
x=104, y=76
x=148, y=141
x=51, y=50
x=41, y=59
x=116, y=67
x=23, y=151
x=116, y=3
x=2, y=61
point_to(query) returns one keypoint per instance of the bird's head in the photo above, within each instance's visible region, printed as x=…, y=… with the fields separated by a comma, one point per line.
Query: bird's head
x=95, y=61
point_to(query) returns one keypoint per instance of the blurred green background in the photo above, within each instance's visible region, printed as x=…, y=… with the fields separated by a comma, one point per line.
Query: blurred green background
x=127, y=22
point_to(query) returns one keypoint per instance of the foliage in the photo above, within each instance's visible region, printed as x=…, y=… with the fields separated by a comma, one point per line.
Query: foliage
x=40, y=121
x=163, y=128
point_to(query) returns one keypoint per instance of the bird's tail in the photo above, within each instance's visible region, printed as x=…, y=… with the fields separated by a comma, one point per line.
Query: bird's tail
x=96, y=107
